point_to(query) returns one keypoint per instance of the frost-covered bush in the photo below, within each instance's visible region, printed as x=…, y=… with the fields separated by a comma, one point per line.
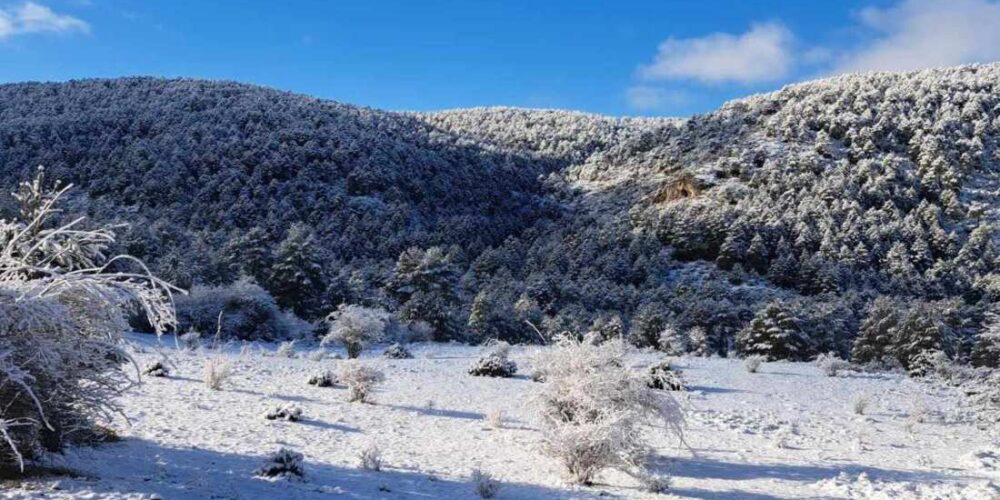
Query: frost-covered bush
x=248, y=313
x=216, y=371
x=484, y=484
x=285, y=350
x=752, y=363
x=494, y=418
x=831, y=364
x=356, y=326
x=494, y=362
x=322, y=379
x=859, y=403
x=283, y=463
x=63, y=307
x=289, y=413
x=594, y=411
x=189, y=340
x=983, y=390
x=370, y=458
x=672, y=341
x=156, y=369
x=663, y=377
x=317, y=354
x=653, y=483
x=360, y=380
x=397, y=351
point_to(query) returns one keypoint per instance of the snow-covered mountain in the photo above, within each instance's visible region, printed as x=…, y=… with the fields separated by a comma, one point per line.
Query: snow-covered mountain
x=820, y=196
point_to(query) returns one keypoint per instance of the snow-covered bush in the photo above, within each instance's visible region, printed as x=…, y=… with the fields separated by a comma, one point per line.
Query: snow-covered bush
x=484, y=484
x=63, y=307
x=248, y=313
x=283, y=463
x=286, y=350
x=189, y=340
x=664, y=378
x=216, y=371
x=831, y=364
x=752, y=363
x=356, y=326
x=672, y=341
x=360, y=380
x=317, y=354
x=156, y=369
x=322, y=379
x=397, y=351
x=594, y=411
x=290, y=413
x=370, y=458
x=494, y=362
x=653, y=483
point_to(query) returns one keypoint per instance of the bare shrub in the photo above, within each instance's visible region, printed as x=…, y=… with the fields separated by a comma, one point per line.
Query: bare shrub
x=323, y=379
x=156, y=369
x=494, y=362
x=63, y=308
x=318, y=355
x=371, y=458
x=360, y=379
x=860, y=403
x=594, y=411
x=831, y=364
x=484, y=484
x=289, y=413
x=752, y=363
x=286, y=349
x=652, y=482
x=495, y=419
x=283, y=463
x=190, y=340
x=356, y=326
x=216, y=372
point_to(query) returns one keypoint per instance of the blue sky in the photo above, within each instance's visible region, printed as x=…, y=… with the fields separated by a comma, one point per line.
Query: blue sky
x=616, y=57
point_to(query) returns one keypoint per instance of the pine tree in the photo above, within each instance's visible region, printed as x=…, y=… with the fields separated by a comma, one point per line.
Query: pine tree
x=297, y=278
x=917, y=334
x=249, y=254
x=424, y=283
x=875, y=337
x=774, y=333
x=986, y=351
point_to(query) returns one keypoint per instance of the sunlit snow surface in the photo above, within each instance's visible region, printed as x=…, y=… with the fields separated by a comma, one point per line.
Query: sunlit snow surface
x=785, y=432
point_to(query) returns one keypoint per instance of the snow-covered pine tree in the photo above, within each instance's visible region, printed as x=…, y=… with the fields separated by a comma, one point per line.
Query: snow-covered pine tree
x=919, y=332
x=297, y=278
x=424, y=283
x=774, y=333
x=875, y=337
x=986, y=350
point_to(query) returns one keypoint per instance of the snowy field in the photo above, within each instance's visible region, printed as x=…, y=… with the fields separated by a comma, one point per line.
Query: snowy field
x=785, y=432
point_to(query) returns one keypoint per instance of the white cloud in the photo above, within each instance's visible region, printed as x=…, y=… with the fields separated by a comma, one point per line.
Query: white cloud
x=918, y=34
x=646, y=98
x=31, y=17
x=762, y=54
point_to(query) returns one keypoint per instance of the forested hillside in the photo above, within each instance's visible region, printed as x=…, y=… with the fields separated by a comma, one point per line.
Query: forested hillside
x=778, y=219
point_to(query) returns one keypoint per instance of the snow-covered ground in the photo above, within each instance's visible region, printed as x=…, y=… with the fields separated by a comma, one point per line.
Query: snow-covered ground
x=785, y=432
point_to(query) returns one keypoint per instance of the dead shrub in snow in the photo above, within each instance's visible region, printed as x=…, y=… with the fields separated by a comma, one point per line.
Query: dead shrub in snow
x=371, y=458
x=397, y=351
x=652, y=482
x=494, y=362
x=752, y=363
x=360, y=380
x=156, y=369
x=860, y=403
x=483, y=484
x=283, y=463
x=286, y=350
x=289, y=413
x=356, y=326
x=323, y=379
x=594, y=411
x=831, y=364
x=216, y=372
x=63, y=308
x=495, y=419
x=190, y=341
x=317, y=355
